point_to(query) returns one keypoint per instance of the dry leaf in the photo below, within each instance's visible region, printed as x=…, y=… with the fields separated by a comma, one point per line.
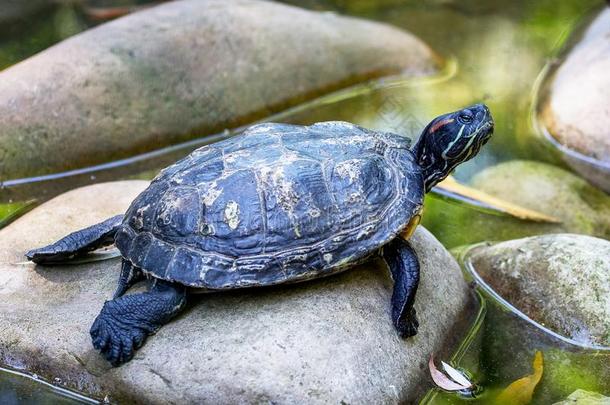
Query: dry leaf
x=521, y=391
x=451, y=186
x=445, y=382
x=456, y=375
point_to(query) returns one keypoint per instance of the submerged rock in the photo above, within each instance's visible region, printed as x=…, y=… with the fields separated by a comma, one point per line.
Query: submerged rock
x=582, y=397
x=544, y=188
x=325, y=341
x=562, y=281
x=14, y=10
x=575, y=111
x=180, y=70
x=552, y=191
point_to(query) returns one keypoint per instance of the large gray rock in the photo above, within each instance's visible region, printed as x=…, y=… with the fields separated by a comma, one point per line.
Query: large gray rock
x=561, y=281
x=183, y=69
x=326, y=341
x=576, y=111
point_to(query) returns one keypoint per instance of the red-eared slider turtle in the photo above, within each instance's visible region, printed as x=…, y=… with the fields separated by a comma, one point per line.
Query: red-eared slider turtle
x=278, y=204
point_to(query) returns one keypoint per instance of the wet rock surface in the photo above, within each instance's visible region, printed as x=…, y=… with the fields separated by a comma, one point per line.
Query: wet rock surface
x=547, y=189
x=180, y=70
x=582, y=397
x=325, y=341
x=576, y=111
x=562, y=281
x=550, y=190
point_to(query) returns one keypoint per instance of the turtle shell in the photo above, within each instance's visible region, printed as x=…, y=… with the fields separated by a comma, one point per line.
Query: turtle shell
x=279, y=203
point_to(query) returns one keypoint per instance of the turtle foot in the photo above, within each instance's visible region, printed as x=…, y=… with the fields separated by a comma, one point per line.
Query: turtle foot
x=118, y=337
x=124, y=323
x=408, y=326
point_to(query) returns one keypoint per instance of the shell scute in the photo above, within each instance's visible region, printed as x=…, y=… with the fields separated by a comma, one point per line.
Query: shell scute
x=234, y=218
x=185, y=259
x=139, y=248
x=141, y=213
x=178, y=213
x=160, y=254
x=295, y=194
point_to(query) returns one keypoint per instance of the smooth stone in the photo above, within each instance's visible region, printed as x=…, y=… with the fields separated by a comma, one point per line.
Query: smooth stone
x=325, y=341
x=560, y=280
x=550, y=190
x=582, y=397
x=575, y=110
x=180, y=70
x=544, y=188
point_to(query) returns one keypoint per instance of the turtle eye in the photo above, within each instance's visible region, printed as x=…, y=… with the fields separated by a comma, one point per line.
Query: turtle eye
x=465, y=118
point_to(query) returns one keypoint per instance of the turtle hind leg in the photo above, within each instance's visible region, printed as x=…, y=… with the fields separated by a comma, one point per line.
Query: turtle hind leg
x=124, y=323
x=404, y=266
x=130, y=275
x=78, y=242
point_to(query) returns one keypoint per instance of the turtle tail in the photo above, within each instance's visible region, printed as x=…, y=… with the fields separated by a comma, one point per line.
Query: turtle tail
x=78, y=242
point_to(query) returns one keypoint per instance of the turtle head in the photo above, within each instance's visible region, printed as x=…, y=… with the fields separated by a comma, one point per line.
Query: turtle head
x=450, y=140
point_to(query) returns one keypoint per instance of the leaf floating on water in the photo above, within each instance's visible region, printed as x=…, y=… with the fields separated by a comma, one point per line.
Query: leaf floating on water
x=456, y=375
x=451, y=187
x=446, y=383
x=521, y=391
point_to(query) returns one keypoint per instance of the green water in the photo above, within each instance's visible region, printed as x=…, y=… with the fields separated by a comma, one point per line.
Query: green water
x=16, y=388
x=495, y=51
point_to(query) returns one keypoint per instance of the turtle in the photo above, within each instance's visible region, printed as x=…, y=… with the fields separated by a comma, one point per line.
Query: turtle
x=279, y=203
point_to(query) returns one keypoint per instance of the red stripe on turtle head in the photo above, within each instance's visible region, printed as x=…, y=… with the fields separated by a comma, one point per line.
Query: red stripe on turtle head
x=440, y=124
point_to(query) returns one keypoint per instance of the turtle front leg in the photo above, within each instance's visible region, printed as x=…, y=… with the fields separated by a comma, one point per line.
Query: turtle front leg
x=404, y=266
x=124, y=323
x=130, y=275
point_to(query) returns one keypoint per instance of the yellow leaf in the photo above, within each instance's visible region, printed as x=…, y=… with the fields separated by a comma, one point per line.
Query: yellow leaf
x=520, y=392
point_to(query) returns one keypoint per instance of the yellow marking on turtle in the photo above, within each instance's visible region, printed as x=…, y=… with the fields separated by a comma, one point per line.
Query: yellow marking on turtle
x=410, y=228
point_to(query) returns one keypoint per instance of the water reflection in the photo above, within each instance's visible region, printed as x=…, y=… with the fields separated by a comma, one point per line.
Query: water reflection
x=17, y=388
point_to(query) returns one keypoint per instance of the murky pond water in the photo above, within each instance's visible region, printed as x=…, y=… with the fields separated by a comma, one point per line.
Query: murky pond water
x=17, y=388
x=495, y=51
